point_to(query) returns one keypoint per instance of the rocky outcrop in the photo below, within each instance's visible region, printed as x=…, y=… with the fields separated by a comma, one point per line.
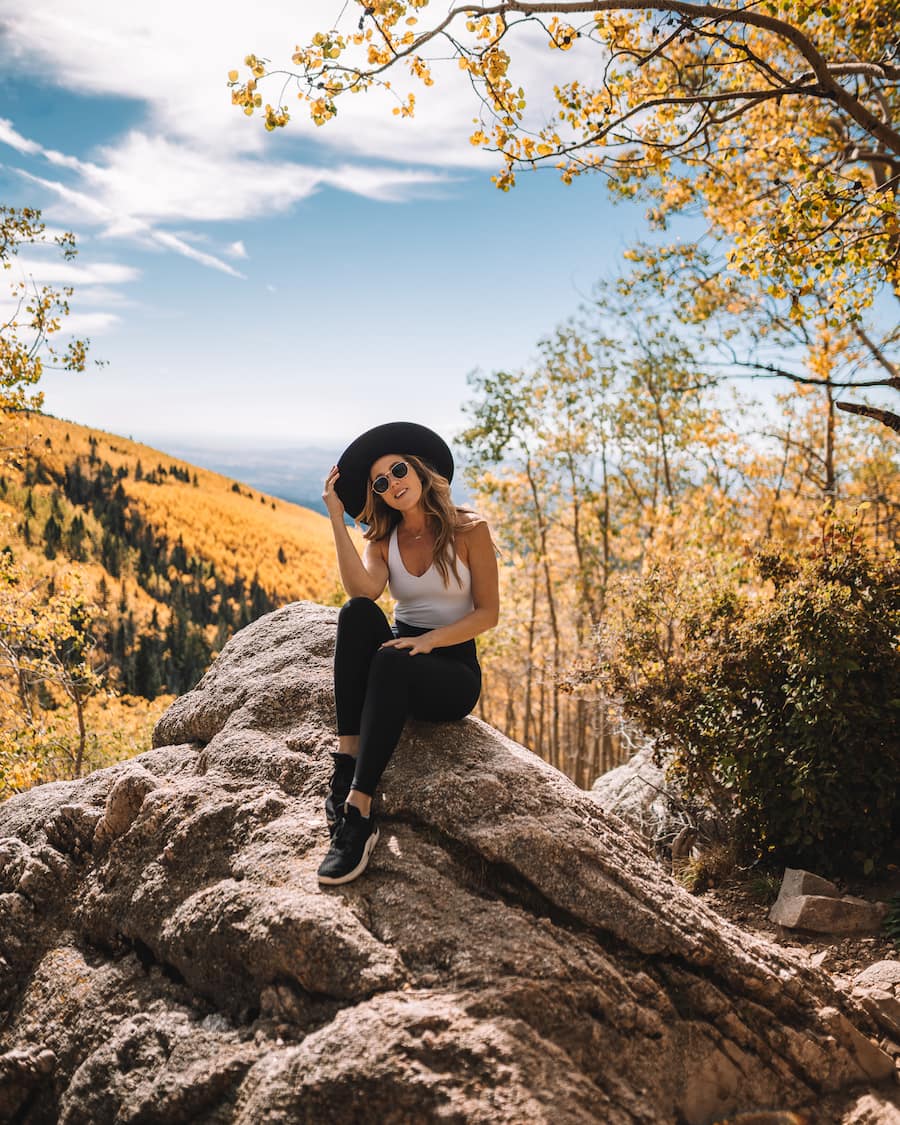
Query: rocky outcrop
x=512, y=954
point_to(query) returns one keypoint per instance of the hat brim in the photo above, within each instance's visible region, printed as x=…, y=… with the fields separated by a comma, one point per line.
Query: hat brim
x=393, y=437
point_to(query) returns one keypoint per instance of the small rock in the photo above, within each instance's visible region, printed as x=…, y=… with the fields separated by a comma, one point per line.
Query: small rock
x=875, y=1062
x=872, y=1109
x=825, y=914
x=796, y=881
x=877, y=988
x=883, y=974
x=123, y=804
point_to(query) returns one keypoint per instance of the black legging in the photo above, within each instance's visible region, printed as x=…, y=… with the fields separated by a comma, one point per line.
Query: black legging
x=376, y=688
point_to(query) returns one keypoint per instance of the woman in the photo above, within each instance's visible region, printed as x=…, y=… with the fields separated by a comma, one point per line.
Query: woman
x=440, y=564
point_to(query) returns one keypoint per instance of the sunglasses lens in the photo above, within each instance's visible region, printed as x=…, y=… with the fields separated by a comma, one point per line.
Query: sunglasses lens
x=398, y=471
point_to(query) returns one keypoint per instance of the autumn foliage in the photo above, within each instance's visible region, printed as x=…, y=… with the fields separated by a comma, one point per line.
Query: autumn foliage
x=124, y=572
x=776, y=121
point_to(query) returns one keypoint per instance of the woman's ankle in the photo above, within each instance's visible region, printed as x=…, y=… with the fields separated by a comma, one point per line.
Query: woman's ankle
x=361, y=801
x=348, y=744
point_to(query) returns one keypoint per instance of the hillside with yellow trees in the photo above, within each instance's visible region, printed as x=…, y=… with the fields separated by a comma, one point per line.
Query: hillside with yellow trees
x=124, y=572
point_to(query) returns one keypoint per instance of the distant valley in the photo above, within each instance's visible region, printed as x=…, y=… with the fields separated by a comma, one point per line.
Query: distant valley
x=292, y=474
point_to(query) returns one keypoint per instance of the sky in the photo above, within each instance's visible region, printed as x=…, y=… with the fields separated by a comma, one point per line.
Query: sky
x=298, y=287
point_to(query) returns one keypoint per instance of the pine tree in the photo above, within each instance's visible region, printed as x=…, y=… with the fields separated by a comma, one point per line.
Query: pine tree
x=147, y=674
x=74, y=539
x=52, y=537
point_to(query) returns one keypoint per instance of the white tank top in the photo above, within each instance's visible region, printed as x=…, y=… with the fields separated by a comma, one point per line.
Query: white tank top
x=425, y=601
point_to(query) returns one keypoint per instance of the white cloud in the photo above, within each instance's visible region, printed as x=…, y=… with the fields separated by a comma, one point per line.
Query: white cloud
x=9, y=135
x=193, y=157
x=90, y=324
x=68, y=273
x=145, y=181
x=159, y=179
x=175, y=57
x=173, y=242
x=91, y=210
x=77, y=323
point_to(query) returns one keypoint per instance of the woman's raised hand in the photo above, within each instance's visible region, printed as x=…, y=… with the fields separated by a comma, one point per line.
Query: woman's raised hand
x=330, y=497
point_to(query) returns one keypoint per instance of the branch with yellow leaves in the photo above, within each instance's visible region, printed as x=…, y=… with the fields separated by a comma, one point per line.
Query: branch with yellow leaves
x=778, y=123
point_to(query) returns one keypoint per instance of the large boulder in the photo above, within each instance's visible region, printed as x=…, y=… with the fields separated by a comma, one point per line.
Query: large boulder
x=636, y=792
x=512, y=954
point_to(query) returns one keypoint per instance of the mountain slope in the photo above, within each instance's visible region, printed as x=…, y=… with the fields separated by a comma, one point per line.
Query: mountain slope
x=174, y=557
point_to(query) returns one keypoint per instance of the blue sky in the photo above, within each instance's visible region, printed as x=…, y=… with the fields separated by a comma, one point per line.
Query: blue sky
x=287, y=288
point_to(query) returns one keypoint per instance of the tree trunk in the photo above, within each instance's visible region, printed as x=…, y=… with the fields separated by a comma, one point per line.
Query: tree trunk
x=830, y=475
x=529, y=665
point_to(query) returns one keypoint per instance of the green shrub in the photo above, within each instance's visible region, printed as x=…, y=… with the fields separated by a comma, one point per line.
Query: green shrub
x=777, y=700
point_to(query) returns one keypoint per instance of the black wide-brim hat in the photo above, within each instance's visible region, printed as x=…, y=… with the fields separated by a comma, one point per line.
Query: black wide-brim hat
x=393, y=437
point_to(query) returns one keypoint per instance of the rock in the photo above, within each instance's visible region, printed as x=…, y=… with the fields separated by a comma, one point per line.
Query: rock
x=827, y=915
x=796, y=881
x=512, y=954
x=873, y=1109
x=808, y=902
x=71, y=829
x=123, y=804
x=636, y=792
x=882, y=974
x=20, y=1071
x=775, y=1117
x=877, y=988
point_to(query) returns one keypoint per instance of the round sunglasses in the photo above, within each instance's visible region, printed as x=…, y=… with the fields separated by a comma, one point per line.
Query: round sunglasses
x=382, y=483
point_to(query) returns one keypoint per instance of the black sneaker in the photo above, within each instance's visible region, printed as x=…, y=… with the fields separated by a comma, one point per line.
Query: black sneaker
x=339, y=789
x=354, y=838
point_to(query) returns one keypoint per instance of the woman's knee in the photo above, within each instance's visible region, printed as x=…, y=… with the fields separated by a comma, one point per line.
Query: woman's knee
x=359, y=609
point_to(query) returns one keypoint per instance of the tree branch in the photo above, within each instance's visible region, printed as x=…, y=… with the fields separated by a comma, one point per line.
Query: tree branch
x=820, y=68
x=892, y=421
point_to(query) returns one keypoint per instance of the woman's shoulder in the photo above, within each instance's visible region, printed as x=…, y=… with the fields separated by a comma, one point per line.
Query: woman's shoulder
x=381, y=546
x=473, y=533
x=467, y=519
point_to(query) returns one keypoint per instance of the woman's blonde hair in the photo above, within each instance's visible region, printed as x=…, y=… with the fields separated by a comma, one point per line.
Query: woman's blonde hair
x=441, y=515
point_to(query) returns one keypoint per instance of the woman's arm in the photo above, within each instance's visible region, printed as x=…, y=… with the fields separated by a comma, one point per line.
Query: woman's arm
x=485, y=598
x=364, y=577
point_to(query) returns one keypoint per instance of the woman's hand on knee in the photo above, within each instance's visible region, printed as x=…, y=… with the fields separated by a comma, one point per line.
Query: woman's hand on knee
x=414, y=645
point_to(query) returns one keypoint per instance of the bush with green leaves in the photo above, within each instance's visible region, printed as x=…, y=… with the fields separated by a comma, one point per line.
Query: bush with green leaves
x=775, y=700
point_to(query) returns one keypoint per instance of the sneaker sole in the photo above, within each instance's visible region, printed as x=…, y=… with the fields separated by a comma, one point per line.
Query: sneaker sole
x=335, y=880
